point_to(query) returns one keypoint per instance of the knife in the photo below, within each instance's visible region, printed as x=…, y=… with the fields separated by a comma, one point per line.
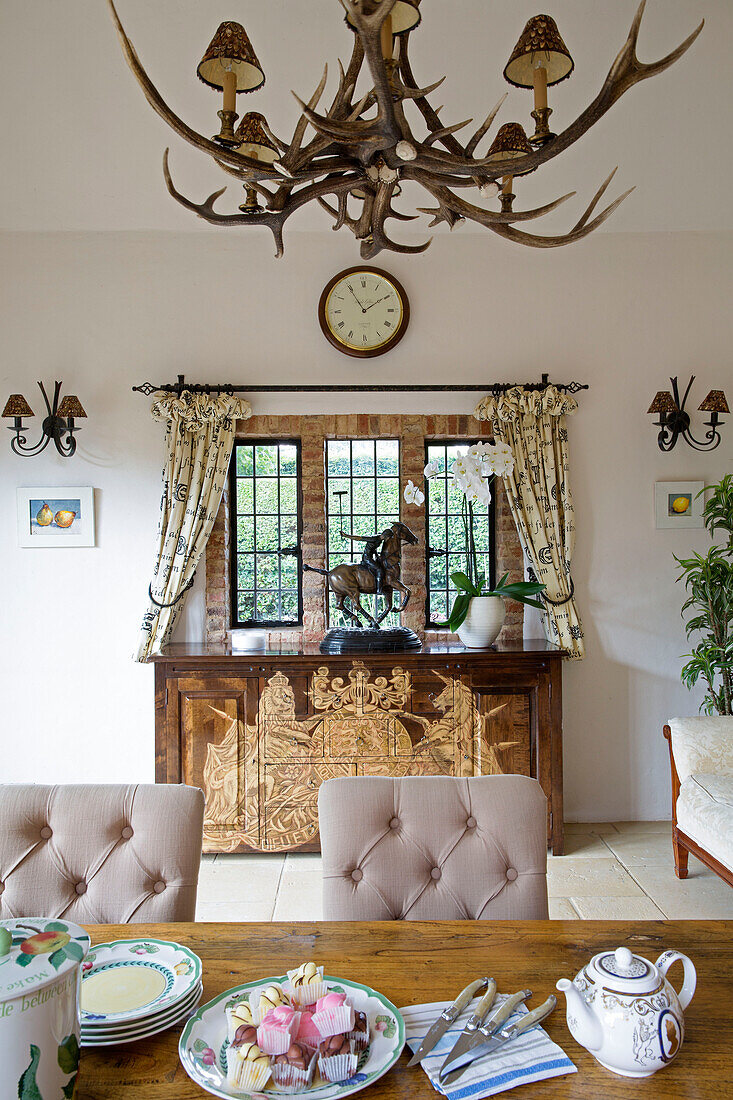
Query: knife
x=480, y=1034
x=467, y=1038
x=446, y=1018
x=500, y=1038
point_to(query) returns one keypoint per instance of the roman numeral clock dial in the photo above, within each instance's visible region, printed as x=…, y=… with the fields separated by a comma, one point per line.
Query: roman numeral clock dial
x=363, y=311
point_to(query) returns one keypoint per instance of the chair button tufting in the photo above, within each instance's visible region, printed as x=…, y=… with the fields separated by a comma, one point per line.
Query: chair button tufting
x=127, y=832
x=511, y=873
x=46, y=832
x=159, y=887
x=470, y=822
x=394, y=823
x=81, y=887
x=435, y=873
x=357, y=874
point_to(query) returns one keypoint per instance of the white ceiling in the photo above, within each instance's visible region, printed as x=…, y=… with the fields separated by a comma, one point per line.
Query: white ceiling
x=83, y=149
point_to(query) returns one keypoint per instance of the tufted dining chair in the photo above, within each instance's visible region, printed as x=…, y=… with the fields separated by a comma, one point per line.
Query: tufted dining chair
x=433, y=848
x=108, y=854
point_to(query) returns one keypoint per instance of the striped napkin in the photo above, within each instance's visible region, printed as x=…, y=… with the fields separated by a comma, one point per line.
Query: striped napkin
x=531, y=1057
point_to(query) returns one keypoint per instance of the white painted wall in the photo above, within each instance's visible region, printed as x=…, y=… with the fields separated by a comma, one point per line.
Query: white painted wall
x=105, y=311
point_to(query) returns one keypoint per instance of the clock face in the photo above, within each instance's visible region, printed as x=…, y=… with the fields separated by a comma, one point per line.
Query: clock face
x=363, y=311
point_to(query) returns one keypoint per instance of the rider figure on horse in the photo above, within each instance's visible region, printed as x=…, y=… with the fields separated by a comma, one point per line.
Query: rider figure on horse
x=371, y=558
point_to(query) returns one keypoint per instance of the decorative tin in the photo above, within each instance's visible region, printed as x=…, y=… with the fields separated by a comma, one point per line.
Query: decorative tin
x=40, y=966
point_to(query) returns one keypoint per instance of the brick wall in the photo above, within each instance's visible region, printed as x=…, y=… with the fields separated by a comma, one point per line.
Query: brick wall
x=313, y=431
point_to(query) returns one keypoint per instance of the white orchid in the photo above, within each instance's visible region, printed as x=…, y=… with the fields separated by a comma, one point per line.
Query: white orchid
x=413, y=495
x=431, y=470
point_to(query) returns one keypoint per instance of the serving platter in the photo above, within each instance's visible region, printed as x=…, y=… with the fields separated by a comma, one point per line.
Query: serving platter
x=132, y=980
x=203, y=1043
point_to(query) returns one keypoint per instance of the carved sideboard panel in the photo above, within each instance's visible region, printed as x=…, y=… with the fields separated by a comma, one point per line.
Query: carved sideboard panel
x=260, y=739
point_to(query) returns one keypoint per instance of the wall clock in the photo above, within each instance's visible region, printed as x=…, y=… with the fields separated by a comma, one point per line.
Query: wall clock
x=363, y=311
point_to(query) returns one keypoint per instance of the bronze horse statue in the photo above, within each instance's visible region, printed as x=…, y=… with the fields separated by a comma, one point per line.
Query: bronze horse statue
x=349, y=582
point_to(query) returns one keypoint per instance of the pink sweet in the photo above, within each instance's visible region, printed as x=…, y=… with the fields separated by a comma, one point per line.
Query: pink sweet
x=275, y=1033
x=333, y=1014
x=330, y=1002
x=308, y=1033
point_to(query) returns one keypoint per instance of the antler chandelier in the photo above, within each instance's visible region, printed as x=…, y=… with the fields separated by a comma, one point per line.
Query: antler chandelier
x=364, y=148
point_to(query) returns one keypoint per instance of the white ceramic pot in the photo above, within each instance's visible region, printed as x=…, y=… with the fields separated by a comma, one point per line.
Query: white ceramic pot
x=484, y=621
x=40, y=970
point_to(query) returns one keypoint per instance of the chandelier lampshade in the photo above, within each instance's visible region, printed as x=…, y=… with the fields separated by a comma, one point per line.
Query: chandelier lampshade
x=71, y=406
x=662, y=403
x=255, y=143
x=405, y=17
x=230, y=51
x=539, y=43
x=510, y=142
x=16, y=405
x=714, y=402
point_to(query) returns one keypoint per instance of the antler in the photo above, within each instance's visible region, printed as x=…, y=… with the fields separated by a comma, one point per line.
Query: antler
x=352, y=153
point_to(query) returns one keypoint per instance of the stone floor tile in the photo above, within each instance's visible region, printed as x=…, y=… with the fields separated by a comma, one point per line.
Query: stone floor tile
x=300, y=897
x=604, y=908
x=230, y=911
x=304, y=862
x=701, y=896
x=568, y=877
x=643, y=826
x=650, y=847
x=585, y=845
x=241, y=879
x=591, y=828
x=561, y=909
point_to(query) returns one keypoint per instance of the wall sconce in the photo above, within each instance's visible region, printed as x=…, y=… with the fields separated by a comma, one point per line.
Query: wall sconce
x=675, y=422
x=59, y=422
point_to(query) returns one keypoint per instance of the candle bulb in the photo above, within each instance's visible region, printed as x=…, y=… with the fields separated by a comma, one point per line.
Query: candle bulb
x=229, y=81
x=387, y=38
x=506, y=184
x=539, y=76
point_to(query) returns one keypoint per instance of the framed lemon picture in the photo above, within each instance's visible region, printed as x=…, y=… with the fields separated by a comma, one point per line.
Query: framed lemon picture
x=678, y=503
x=55, y=516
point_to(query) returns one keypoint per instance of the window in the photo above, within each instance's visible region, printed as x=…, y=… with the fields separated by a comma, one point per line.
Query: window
x=445, y=529
x=363, y=486
x=266, y=528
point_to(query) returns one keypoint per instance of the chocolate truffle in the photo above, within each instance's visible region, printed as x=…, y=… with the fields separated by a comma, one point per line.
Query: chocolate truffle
x=245, y=1033
x=296, y=1056
x=335, y=1045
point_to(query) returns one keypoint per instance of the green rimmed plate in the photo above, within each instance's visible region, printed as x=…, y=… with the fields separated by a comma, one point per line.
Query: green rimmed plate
x=203, y=1043
x=127, y=980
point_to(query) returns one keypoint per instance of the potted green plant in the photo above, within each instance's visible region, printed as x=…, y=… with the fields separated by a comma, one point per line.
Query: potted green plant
x=478, y=612
x=709, y=583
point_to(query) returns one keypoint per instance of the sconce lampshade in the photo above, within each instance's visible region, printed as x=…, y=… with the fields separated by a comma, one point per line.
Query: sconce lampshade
x=255, y=143
x=16, y=405
x=714, y=402
x=405, y=17
x=231, y=50
x=510, y=142
x=539, y=37
x=662, y=403
x=71, y=406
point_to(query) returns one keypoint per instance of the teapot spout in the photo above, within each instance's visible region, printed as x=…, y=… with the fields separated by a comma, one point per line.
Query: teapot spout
x=583, y=1023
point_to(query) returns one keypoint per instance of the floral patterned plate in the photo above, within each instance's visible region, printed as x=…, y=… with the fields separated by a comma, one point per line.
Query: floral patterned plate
x=177, y=1017
x=202, y=1046
x=132, y=979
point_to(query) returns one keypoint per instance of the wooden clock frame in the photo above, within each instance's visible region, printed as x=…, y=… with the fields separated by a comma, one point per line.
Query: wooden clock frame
x=360, y=353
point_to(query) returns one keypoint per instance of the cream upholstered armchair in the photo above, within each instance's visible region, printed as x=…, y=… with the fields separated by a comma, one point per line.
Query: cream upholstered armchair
x=433, y=848
x=701, y=757
x=100, y=854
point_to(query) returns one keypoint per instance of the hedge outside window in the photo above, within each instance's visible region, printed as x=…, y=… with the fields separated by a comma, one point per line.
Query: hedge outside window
x=445, y=533
x=266, y=524
x=364, y=475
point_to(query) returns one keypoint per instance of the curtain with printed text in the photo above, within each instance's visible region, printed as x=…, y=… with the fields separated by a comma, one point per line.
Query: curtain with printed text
x=532, y=423
x=199, y=439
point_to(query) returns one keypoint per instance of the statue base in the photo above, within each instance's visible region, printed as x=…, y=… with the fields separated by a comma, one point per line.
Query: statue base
x=359, y=640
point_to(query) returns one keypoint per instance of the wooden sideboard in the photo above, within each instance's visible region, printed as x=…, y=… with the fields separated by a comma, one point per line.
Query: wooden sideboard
x=259, y=732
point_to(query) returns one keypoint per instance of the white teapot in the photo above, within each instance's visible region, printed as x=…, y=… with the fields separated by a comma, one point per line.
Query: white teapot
x=626, y=1013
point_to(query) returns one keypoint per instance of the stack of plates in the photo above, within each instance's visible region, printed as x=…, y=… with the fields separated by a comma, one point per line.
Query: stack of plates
x=131, y=989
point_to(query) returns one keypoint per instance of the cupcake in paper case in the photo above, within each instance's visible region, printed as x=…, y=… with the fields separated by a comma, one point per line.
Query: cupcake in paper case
x=307, y=984
x=360, y=1034
x=293, y=1071
x=278, y=1029
x=333, y=1015
x=308, y=1034
x=336, y=1059
x=248, y=1069
x=236, y=1016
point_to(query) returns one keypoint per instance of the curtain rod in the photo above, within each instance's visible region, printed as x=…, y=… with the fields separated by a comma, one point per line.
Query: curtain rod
x=494, y=388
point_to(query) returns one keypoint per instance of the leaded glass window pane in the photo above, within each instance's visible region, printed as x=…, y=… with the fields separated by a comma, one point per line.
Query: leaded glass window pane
x=266, y=526
x=362, y=498
x=446, y=538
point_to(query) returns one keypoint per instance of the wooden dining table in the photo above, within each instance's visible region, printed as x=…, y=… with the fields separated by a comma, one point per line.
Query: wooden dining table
x=414, y=962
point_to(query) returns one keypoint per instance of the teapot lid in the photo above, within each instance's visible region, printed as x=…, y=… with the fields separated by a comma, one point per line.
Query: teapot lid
x=623, y=971
x=35, y=952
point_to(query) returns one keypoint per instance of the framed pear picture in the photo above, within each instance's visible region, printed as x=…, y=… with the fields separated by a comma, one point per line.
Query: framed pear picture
x=56, y=516
x=364, y=311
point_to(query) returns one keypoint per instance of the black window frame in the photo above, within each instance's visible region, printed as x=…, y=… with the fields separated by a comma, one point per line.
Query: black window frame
x=296, y=552
x=430, y=552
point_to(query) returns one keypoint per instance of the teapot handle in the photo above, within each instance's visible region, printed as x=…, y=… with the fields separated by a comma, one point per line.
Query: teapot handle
x=665, y=960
